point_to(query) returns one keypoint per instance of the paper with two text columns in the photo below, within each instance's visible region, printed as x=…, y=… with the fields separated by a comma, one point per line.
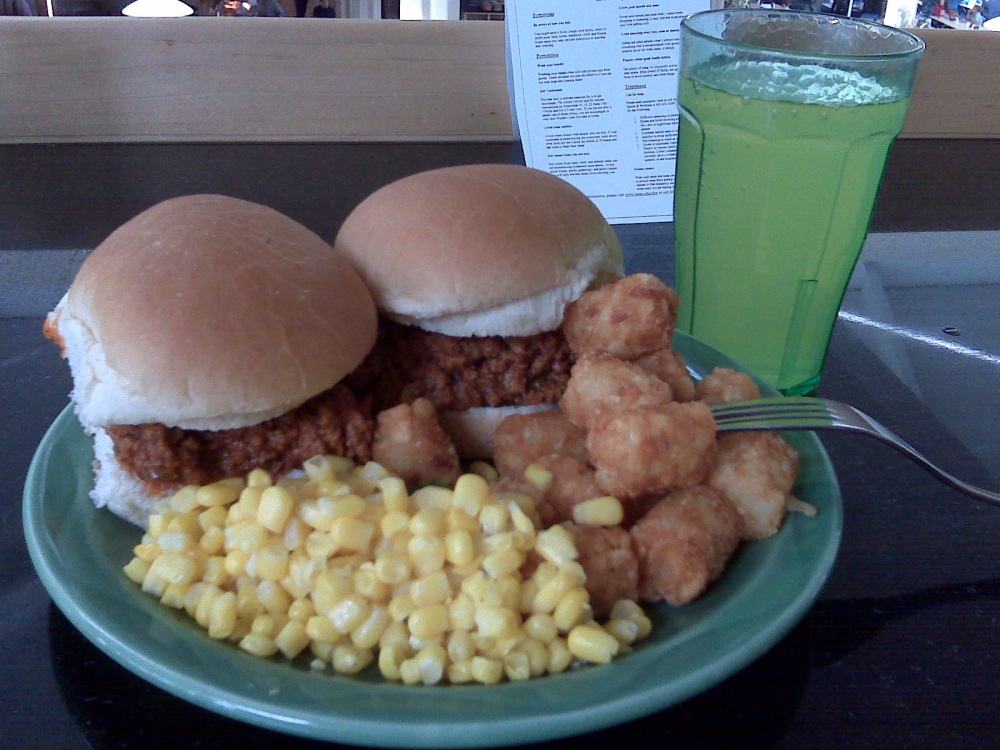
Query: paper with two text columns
x=593, y=88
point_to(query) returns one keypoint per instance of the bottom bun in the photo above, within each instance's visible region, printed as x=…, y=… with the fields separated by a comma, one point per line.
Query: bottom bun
x=472, y=430
x=116, y=489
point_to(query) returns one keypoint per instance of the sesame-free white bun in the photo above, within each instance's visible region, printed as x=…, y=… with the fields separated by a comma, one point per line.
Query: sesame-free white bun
x=480, y=250
x=204, y=312
x=208, y=312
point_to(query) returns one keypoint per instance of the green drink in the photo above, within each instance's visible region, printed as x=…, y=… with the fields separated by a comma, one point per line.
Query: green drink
x=778, y=166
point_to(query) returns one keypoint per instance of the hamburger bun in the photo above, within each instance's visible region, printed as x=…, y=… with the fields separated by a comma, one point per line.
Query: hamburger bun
x=480, y=250
x=205, y=312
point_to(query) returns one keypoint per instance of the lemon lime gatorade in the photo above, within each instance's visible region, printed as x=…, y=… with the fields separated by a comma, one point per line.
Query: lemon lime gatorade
x=778, y=168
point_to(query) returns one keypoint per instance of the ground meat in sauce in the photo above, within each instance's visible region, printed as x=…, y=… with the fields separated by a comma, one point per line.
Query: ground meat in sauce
x=333, y=422
x=405, y=364
x=455, y=373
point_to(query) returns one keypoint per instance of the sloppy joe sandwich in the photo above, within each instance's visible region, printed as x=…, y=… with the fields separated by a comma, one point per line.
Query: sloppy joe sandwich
x=472, y=268
x=209, y=336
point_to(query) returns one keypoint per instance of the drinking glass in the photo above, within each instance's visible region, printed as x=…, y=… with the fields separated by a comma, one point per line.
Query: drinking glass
x=786, y=120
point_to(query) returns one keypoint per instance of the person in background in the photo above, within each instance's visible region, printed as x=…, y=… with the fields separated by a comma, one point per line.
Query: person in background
x=324, y=10
x=975, y=16
x=236, y=8
x=300, y=8
x=270, y=9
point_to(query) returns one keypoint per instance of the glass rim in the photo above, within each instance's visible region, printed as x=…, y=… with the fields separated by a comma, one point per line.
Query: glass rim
x=916, y=50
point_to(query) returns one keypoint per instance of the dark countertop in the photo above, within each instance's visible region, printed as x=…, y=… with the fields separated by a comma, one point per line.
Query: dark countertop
x=901, y=650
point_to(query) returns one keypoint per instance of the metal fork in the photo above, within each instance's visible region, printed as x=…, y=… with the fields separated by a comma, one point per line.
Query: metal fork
x=804, y=413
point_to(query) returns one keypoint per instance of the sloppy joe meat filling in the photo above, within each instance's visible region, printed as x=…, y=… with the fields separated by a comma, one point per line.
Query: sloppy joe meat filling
x=406, y=363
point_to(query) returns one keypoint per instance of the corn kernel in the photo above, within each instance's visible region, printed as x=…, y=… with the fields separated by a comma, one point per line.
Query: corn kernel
x=222, y=617
x=428, y=621
x=461, y=645
x=401, y=606
x=573, y=609
x=247, y=536
x=427, y=553
x=516, y=666
x=433, y=588
x=392, y=567
x=409, y=671
x=136, y=569
x=430, y=521
x=459, y=672
x=349, y=612
x=626, y=632
x=218, y=493
x=538, y=476
x=213, y=540
x=301, y=609
x=592, y=643
x=258, y=645
x=484, y=470
x=550, y=594
x=556, y=545
x=275, y=508
x=292, y=639
x=629, y=610
x=182, y=501
x=541, y=627
x=173, y=595
x=560, y=657
x=394, y=494
x=236, y=562
x=175, y=567
x=395, y=634
x=215, y=571
x=390, y=657
x=259, y=478
x=497, y=622
x=350, y=659
x=273, y=597
x=368, y=632
x=486, y=671
x=462, y=612
x=599, y=511
x=175, y=541
x=494, y=517
x=432, y=496
x=502, y=563
x=270, y=562
x=471, y=491
x=352, y=533
x=320, y=629
x=431, y=664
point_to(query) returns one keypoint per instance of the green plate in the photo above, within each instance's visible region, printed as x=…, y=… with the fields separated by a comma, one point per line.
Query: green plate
x=78, y=552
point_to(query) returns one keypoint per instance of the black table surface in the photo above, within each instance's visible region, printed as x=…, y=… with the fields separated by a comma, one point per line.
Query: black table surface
x=902, y=647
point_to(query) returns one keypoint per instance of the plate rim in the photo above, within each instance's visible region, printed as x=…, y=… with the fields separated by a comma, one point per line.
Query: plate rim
x=564, y=722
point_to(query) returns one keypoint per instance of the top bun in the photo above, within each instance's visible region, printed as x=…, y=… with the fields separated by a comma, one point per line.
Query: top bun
x=480, y=250
x=208, y=312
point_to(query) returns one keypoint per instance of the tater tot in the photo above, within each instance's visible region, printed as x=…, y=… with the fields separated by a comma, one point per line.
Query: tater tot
x=726, y=386
x=669, y=366
x=653, y=450
x=627, y=319
x=573, y=481
x=683, y=543
x=600, y=384
x=756, y=472
x=611, y=566
x=521, y=439
x=409, y=440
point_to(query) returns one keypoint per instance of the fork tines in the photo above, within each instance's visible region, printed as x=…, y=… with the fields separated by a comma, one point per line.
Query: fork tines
x=773, y=413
